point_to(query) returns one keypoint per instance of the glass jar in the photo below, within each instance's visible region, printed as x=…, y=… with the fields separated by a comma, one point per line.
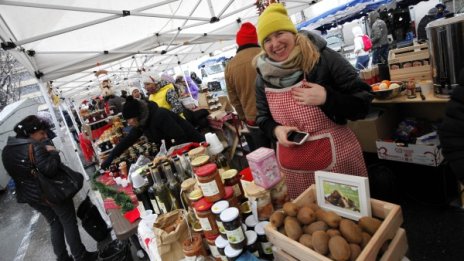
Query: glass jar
x=245, y=209
x=210, y=182
x=233, y=226
x=221, y=244
x=232, y=178
x=199, y=161
x=195, y=196
x=279, y=194
x=187, y=187
x=232, y=254
x=252, y=242
x=230, y=197
x=194, y=246
x=206, y=217
x=251, y=222
x=196, y=152
x=264, y=244
x=260, y=201
x=217, y=209
x=212, y=247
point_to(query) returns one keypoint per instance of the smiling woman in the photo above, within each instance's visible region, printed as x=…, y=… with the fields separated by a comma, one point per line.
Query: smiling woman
x=303, y=85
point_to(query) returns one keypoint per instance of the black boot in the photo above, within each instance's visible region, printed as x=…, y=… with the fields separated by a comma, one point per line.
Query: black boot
x=88, y=256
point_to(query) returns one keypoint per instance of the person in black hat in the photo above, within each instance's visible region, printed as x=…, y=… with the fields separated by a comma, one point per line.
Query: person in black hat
x=441, y=10
x=156, y=123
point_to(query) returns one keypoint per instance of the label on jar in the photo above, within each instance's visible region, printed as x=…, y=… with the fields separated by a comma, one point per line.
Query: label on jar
x=237, y=191
x=209, y=189
x=161, y=205
x=267, y=247
x=222, y=230
x=254, y=207
x=205, y=225
x=235, y=236
x=214, y=251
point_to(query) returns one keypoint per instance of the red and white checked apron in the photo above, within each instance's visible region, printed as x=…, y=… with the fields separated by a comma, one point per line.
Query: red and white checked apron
x=330, y=147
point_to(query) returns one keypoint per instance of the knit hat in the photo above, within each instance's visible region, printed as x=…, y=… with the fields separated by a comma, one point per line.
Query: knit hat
x=132, y=89
x=246, y=34
x=131, y=108
x=274, y=18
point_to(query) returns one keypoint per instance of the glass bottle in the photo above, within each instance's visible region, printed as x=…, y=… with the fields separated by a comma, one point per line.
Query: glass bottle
x=154, y=203
x=161, y=192
x=181, y=175
x=149, y=176
x=187, y=164
x=142, y=195
x=173, y=185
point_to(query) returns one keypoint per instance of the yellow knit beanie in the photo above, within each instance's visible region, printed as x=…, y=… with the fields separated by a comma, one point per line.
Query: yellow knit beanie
x=273, y=19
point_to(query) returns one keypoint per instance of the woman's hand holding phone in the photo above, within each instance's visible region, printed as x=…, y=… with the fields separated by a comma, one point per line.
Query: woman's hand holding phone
x=290, y=136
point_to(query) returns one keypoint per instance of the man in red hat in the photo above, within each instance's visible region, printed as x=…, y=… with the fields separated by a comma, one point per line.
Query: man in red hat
x=240, y=78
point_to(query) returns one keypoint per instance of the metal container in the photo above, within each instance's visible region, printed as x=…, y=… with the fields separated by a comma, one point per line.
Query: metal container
x=446, y=45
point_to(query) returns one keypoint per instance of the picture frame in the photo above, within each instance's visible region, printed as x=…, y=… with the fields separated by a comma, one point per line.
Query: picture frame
x=346, y=195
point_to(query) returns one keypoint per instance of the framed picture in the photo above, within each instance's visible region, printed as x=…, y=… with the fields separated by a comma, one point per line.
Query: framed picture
x=346, y=195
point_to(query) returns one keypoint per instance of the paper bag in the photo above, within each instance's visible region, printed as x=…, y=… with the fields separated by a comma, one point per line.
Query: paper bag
x=171, y=230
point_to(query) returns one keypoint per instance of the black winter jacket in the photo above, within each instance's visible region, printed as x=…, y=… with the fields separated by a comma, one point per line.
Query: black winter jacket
x=348, y=97
x=15, y=158
x=161, y=124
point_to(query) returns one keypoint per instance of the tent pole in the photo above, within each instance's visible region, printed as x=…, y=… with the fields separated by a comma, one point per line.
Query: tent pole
x=225, y=8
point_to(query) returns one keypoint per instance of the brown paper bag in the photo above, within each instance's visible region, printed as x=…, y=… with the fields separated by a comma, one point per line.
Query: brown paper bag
x=171, y=231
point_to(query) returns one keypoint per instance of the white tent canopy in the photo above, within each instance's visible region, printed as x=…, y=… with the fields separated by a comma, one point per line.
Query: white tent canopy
x=67, y=41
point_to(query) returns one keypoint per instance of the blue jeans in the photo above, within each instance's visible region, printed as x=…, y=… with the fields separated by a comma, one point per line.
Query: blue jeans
x=63, y=223
x=380, y=55
x=362, y=62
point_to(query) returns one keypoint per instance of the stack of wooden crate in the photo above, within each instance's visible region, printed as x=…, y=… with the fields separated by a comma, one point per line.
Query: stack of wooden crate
x=412, y=62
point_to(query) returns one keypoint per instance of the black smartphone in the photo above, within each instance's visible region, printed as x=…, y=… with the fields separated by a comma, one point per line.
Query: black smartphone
x=297, y=137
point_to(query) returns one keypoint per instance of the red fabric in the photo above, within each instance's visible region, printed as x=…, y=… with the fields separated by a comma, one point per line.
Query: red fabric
x=330, y=147
x=132, y=215
x=98, y=132
x=180, y=151
x=218, y=124
x=246, y=174
x=86, y=147
x=247, y=34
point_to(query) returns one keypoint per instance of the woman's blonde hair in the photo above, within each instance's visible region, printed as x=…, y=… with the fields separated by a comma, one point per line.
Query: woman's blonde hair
x=309, y=52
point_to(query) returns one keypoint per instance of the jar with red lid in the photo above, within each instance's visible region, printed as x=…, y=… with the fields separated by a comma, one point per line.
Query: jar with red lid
x=232, y=178
x=211, y=240
x=206, y=217
x=230, y=197
x=193, y=246
x=210, y=182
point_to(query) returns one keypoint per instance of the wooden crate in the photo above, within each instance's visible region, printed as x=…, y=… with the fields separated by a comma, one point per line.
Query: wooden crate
x=399, y=57
x=388, y=212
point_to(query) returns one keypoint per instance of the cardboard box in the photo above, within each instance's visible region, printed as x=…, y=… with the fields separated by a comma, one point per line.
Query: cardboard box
x=388, y=230
x=429, y=155
x=377, y=125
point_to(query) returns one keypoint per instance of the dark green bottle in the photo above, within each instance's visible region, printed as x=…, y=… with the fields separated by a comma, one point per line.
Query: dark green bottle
x=173, y=185
x=162, y=195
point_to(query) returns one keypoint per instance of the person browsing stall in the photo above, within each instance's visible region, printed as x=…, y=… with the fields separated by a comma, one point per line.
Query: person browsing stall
x=362, y=56
x=156, y=123
x=162, y=92
x=303, y=85
x=379, y=38
x=240, y=77
x=32, y=130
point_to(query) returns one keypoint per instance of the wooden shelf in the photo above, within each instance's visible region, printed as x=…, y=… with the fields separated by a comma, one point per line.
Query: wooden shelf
x=403, y=99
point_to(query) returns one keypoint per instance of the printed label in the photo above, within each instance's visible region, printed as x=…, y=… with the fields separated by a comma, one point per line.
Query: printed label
x=140, y=207
x=237, y=191
x=235, y=236
x=221, y=227
x=209, y=189
x=155, y=206
x=267, y=247
x=161, y=205
x=205, y=225
x=214, y=251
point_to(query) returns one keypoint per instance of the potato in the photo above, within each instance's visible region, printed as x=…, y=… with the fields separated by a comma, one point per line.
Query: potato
x=369, y=224
x=355, y=251
x=333, y=232
x=293, y=228
x=339, y=248
x=320, y=241
x=306, y=240
x=316, y=226
x=350, y=231
x=365, y=239
x=312, y=205
x=290, y=209
x=277, y=219
x=306, y=215
x=329, y=217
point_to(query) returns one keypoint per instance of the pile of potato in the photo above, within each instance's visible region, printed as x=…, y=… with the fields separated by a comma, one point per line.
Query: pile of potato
x=325, y=231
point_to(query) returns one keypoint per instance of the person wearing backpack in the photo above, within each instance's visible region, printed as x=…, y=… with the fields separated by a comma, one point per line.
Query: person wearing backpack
x=362, y=45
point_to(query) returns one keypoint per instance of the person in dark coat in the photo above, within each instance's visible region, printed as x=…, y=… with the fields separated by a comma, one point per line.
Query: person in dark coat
x=62, y=217
x=451, y=132
x=156, y=123
x=429, y=17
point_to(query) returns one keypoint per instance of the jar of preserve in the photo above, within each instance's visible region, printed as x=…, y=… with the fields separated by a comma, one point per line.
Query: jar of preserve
x=221, y=244
x=252, y=242
x=232, y=178
x=187, y=186
x=199, y=161
x=233, y=226
x=230, y=197
x=212, y=247
x=279, y=195
x=210, y=182
x=245, y=209
x=196, y=152
x=264, y=244
x=195, y=196
x=260, y=201
x=217, y=209
x=251, y=222
x=194, y=246
x=206, y=217
x=232, y=254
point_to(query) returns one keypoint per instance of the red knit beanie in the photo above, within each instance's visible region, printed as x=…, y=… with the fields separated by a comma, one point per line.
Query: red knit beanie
x=247, y=34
